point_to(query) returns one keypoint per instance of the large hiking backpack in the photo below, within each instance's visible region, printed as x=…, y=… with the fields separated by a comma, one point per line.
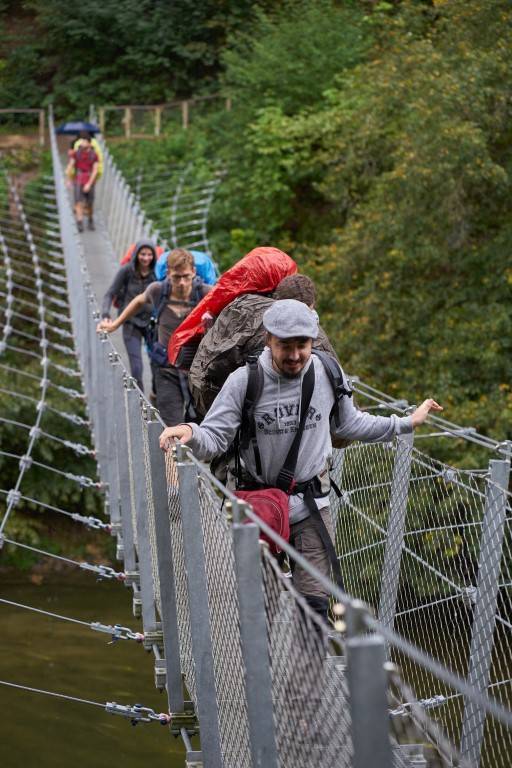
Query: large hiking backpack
x=204, y=264
x=237, y=334
x=259, y=271
x=156, y=351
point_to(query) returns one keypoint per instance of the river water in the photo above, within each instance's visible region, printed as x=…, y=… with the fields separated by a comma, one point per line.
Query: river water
x=37, y=731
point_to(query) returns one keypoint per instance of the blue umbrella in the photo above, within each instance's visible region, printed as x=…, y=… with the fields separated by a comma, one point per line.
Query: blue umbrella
x=77, y=127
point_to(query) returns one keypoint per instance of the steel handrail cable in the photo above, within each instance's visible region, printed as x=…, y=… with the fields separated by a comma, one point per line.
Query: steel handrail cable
x=116, y=630
x=78, y=448
x=72, y=417
x=93, y=522
x=27, y=461
x=57, y=315
x=452, y=428
x=136, y=713
x=71, y=393
x=104, y=571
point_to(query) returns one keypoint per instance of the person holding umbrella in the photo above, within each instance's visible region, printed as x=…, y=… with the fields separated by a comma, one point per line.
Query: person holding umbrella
x=83, y=164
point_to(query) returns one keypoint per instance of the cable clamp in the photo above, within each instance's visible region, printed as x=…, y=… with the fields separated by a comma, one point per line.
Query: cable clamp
x=137, y=713
x=25, y=462
x=35, y=432
x=117, y=632
x=448, y=475
x=85, y=482
x=103, y=571
x=79, y=449
x=71, y=393
x=432, y=702
x=92, y=522
x=13, y=497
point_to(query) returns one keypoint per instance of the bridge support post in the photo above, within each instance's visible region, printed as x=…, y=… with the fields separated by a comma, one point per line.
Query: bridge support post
x=106, y=406
x=484, y=614
x=200, y=628
x=168, y=612
x=139, y=501
x=396, y=529
x=254, y=640
x=121, y=439
x=369, y=711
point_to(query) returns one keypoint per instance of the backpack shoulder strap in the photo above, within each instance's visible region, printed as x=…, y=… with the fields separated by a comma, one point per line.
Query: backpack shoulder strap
x=286, y=477
x=164, y=297
x=335, y=376
x=197, y=293
x=252, y=395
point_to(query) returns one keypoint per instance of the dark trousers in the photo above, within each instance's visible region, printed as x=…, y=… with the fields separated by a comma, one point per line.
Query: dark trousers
x=133, y=337
x=306, y=540
x=169, y=395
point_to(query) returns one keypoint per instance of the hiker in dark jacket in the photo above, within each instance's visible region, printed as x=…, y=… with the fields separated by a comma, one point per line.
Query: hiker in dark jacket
x=130, y=281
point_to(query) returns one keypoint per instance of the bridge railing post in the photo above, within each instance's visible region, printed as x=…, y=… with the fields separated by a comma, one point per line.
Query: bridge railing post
x=396, y=529
x=165, y=564
x=368, y=701
x=484, y=614
x=126, y=544
x=254, y=640
x=139, y=517
x=200, y=628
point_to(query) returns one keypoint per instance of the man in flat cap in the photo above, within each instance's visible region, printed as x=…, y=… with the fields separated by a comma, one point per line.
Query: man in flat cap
x=290, y=376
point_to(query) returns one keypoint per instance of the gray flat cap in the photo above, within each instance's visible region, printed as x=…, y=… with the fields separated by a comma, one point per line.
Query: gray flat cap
x=291, y=319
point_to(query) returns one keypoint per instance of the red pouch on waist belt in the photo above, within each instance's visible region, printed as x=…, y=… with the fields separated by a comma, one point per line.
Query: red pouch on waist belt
x=271, y=506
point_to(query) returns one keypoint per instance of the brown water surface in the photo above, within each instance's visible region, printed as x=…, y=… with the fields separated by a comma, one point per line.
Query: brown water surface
x=38, y=731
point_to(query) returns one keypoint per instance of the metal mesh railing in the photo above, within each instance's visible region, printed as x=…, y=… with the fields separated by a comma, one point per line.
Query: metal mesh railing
x=178, y=557
x=170, y=204
x=225, y=629
x=309, y=690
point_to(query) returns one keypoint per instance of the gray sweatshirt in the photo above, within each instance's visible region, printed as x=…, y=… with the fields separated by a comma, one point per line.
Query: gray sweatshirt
x=277, y=417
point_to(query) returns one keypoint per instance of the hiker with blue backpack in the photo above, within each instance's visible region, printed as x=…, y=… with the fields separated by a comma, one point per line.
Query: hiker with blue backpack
x=170, y=301
x=276, y=415
x=130, y=281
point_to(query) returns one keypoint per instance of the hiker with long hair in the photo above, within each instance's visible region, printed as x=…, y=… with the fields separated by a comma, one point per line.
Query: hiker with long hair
x=131, y=281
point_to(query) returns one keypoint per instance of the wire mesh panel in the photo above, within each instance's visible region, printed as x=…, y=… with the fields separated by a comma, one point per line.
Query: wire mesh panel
x=178, y=557
x=441, y=577
x=133, y=496
x=311, y=714
x=364, y=475
x=151, y=511
x=223, y=608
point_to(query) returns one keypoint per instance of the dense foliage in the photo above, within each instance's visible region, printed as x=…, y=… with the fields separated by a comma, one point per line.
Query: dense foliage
x=389, y=180
x=104, y=51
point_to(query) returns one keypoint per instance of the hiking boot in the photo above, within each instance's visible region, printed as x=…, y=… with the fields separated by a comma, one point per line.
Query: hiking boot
x=80, y=226
x=91, y=224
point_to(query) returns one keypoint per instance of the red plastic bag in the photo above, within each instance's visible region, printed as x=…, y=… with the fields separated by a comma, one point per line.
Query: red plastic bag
x=258, y=272
x=271, y=506
x=128, y=254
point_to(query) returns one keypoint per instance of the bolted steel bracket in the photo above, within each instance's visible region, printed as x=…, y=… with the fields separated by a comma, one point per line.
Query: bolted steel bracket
x=160, y=674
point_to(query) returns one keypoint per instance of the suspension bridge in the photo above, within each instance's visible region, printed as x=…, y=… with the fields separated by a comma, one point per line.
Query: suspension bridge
x=417, y=668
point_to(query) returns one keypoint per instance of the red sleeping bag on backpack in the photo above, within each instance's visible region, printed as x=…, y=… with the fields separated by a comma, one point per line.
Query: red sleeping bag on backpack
x=271, y=506
x=258, y=272
x=127, y=256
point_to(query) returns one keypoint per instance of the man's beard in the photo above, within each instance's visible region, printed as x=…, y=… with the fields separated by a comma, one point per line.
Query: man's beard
x=286, y=374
